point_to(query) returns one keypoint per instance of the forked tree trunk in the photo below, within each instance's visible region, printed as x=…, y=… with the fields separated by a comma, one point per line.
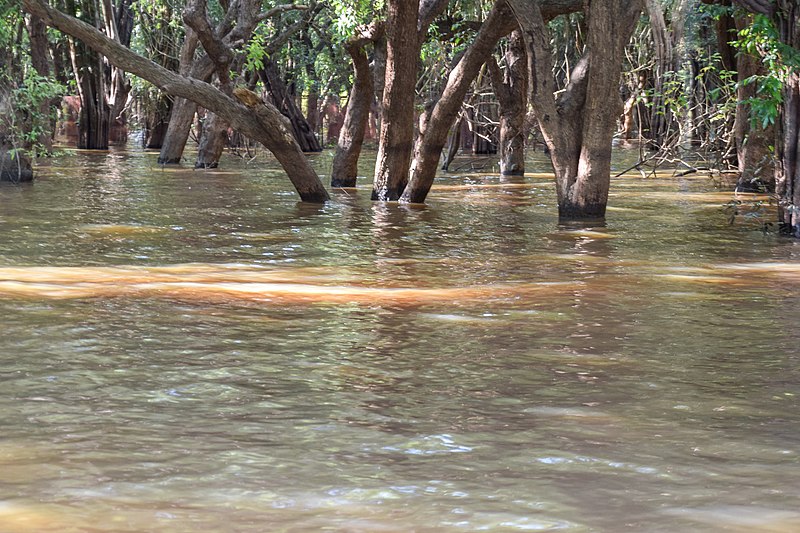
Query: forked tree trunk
x=578, y=126
x=428, y=150
x=351, y=138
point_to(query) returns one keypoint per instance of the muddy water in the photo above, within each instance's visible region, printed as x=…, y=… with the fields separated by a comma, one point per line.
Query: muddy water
x=191, y=351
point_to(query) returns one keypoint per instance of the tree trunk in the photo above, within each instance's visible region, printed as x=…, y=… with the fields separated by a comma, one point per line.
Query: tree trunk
x=578, y=126
x=428, y=150
x=212, y=141
x=177, y=133
x=787, y=173
x=37, y=35
x=15, y=166
x=183, y=110
x=660, y=120
x=395, y=141
x=87, y=65
x=351, y=138
x=157, y=122
x=453, y=144
x=754, y=159
x=250, y=114
x=95, y=116
x=511, y=91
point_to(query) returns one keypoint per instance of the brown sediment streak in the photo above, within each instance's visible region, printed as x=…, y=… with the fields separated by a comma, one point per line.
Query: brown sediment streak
x=238, y=282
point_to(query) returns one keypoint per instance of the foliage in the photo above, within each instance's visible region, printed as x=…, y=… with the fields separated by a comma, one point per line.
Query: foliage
x=349, y=14
x=761, y=38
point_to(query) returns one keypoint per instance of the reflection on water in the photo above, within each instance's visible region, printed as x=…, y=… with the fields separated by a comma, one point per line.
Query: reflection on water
x=195, y=351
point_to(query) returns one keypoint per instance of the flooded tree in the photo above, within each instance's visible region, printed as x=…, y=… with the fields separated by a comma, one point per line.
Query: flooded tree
x=578, y=124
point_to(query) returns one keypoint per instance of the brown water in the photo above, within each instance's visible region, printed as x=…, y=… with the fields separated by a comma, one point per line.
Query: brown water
x=191, y=351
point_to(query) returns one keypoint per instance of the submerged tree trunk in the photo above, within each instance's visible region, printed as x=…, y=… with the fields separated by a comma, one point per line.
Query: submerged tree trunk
x=212, y=142
x=579, y=125
x=351, y=138
x=787, y=173
x=250, y=115
x=87, y=65
x=183, y=110
x=511, y=90
x=177, y=132
x=453, y=144
x=397, y=119
x=756, y=172
x=786, y=16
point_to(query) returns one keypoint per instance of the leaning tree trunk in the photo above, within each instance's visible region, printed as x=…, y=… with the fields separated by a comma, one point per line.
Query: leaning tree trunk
x=250, y=115
x=356, y=118
x=429, y=146
x=579, y=126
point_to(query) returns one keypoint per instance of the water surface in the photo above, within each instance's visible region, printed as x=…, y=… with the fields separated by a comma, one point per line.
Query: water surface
x=189, y=351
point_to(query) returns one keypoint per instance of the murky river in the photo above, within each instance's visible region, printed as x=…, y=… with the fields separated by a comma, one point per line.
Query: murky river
x=191, y=351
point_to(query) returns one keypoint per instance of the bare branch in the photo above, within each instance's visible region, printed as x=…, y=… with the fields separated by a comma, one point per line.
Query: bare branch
x=281, y=9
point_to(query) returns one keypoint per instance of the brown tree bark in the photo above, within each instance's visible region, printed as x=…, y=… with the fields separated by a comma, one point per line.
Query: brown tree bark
x=756, y=172
x=511, y=89
x=397, y=118
x=212, y=141
x=183, y=110
x=89, y=70
x=351, y=138
x=453, y=144
x=255, y=118
x=786, y=16
x=579, y=124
